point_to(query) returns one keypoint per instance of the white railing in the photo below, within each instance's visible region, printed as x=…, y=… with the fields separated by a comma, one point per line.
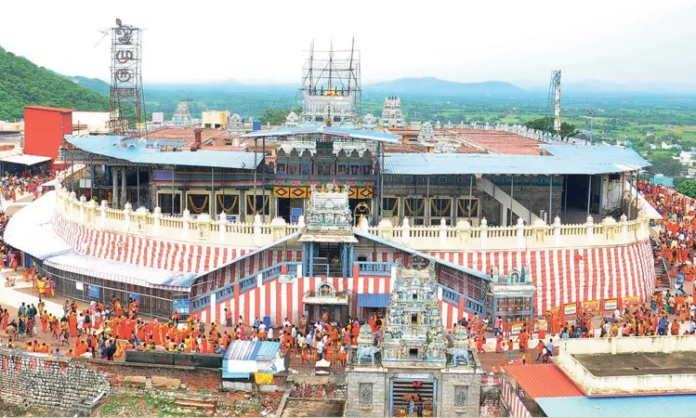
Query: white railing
x=538, y=235
x=184, y=228
x=441, y=237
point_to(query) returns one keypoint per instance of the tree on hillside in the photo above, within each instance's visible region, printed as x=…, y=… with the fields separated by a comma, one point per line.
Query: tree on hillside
x=276, y=117
x=665, y=164
x=687, y=187
x=546, y=124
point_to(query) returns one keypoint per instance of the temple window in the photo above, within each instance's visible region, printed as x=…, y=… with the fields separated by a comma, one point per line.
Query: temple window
x=413, y=353
x=414, y=319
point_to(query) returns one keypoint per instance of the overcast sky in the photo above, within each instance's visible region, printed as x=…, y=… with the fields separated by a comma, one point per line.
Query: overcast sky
x=266, y=41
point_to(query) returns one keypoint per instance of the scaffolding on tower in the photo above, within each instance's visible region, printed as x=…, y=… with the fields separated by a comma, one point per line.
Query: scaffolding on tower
x=334, y=73
x=127, y=107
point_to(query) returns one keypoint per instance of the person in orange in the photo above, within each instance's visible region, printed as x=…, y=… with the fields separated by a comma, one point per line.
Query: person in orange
x=480, y=340
x=72, y=325
x=523, y=340
x=25, y=276
x=44, y=322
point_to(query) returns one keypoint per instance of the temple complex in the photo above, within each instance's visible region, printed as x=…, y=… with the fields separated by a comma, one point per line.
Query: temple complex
x=310, y=219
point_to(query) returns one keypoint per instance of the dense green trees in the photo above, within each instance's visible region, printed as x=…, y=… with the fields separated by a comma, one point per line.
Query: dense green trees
x=22, y=83
x=276, y=117
x=665, y=164
x=687, y=187
x=546, y=124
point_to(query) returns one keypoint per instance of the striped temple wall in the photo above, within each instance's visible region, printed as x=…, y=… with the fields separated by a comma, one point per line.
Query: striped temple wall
x=148, y=252
x=561, y=276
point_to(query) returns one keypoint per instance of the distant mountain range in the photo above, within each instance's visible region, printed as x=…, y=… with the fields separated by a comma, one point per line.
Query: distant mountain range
x=422, y=87
x=431, y=86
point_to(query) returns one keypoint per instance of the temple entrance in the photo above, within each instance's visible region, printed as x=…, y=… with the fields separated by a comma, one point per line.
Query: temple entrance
x=403, y=389
x=284, y=208
x=360, y=207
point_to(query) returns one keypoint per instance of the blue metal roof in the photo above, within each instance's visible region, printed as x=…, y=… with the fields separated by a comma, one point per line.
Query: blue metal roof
x=137, y=152
x=251, y=350
x=566, y=159
x=629, y=406
x=365, y=134
x=380, y=240
x=378, y=300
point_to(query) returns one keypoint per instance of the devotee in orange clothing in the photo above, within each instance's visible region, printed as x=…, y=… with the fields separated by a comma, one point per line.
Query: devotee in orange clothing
x=72, y=325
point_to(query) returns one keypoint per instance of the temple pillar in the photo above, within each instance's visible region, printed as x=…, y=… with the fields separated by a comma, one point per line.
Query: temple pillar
x=114, y=189
x=124, y=193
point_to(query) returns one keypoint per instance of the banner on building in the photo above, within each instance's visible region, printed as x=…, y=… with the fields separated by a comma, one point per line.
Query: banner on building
x=79, y=286
x=287, y=278
x=94, y=292
x=611, y=304
x=630, y=301
x=182, y=306
x=590, y=306
x=570, y=309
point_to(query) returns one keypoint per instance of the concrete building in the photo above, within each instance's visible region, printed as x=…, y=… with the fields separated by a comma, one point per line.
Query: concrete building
x=45, y=129
x=215, y=119
x=95, y=122
x=603, y=377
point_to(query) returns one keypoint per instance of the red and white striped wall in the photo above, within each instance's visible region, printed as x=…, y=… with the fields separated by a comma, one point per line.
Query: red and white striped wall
x=148, y=252
x=564, y=276
x=515, y=406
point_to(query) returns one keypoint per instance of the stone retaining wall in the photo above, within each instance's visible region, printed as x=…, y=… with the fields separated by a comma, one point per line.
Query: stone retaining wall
x=44, y=381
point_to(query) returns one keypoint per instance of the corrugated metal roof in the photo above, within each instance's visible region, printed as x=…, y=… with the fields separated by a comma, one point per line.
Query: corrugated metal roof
x=120, y=272
x=543, y=380
x=380, y=240
x=566, y=159
x=366, y=134
x=137, y=152
x=378, y=300
x=31, y=230
x=251, y=350
x=25, y=159
x=628, y=406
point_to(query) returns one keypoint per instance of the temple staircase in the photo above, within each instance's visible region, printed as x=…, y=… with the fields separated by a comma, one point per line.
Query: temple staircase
x=504, y=199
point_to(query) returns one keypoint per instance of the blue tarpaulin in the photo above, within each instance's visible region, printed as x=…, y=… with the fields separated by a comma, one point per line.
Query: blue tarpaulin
x=379, y=300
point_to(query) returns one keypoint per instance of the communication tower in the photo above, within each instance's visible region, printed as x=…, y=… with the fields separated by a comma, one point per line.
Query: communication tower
x=127, y=109
x=554, y=100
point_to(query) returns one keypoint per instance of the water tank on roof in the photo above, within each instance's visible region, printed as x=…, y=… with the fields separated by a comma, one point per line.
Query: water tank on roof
x=257, y=125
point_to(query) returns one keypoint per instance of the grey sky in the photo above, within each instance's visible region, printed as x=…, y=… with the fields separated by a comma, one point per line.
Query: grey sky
x=456, y=40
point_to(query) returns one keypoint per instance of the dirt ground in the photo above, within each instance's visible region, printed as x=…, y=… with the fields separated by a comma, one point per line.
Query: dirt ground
x=312, y=408
x=187, y=404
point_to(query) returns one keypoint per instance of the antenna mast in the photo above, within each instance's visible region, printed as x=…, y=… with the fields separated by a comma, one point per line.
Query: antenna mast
x=554, y=100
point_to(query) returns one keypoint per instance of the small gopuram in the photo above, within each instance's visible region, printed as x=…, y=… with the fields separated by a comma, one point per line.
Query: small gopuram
x=328, y=239
x=411, y=357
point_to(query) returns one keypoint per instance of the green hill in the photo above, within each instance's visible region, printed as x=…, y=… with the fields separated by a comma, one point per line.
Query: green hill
x=23, y=83
x=94, y=84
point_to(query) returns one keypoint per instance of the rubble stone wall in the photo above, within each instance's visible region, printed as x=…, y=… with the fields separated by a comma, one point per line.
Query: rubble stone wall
x=41, y=380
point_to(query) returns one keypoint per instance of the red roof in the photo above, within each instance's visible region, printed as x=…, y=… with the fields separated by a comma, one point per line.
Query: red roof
x=50, y=109
x=543, y=381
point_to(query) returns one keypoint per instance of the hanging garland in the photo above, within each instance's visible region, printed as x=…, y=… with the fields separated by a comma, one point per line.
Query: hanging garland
x=393, y=209
x=420, y=209
x=232, y=206
x=200, y=208
x=470, y=211
x=440, y=212
x=252, y=204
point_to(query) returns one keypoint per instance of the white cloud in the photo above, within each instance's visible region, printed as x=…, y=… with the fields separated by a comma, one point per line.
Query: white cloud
x=456, y=40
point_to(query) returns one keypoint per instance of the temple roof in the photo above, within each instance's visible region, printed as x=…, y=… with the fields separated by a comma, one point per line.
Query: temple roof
x=137, y=152
x=564, y=159
x=365, y=134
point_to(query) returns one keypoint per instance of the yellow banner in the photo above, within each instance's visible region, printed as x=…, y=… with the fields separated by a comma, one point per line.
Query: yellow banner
x=263, y=378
